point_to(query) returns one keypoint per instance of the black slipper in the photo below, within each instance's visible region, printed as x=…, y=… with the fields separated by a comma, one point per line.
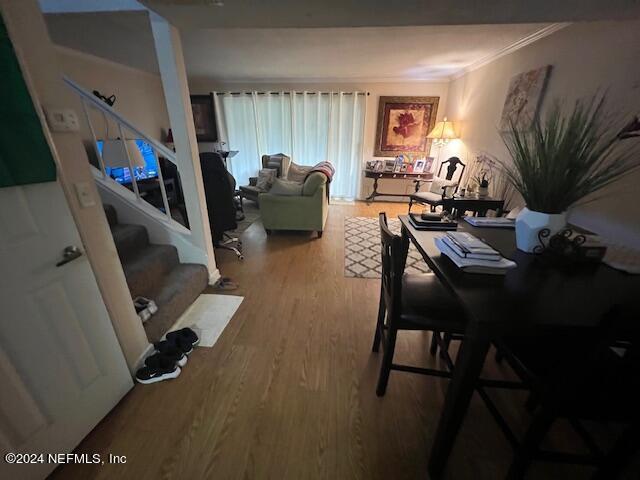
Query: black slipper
x=186, y=334
x=166, y=346
x=165, y=370
x=173, y=353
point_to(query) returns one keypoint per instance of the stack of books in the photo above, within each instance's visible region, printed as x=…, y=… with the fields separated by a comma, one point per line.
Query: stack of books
x=432, y=222
x=472, y=255
x=491, y=222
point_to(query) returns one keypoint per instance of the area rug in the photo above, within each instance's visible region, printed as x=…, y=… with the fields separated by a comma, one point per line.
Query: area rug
x=362, y=248
x=251, y=214
x=208, y=316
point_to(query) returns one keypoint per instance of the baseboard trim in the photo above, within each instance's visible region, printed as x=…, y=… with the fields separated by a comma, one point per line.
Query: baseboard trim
x=214, y=277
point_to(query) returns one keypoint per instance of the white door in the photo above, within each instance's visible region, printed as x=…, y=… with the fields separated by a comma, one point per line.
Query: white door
x=61, y=366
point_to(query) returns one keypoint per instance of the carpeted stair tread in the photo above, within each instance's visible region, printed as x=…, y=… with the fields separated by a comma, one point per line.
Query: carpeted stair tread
x=129, y=239
x=174, y=295
x=145, y=270
x=112, y=215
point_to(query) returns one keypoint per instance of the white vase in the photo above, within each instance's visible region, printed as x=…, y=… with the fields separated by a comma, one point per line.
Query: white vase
x=529, y=224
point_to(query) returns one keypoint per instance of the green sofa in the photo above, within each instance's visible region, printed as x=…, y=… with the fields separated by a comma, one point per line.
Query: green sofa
x=301, y=212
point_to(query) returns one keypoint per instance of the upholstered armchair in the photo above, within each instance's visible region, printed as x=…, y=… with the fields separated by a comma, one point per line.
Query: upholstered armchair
x=278, y=162
x=306, y=210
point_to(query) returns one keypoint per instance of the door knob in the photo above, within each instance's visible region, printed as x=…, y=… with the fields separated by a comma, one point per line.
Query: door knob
x=69, y=254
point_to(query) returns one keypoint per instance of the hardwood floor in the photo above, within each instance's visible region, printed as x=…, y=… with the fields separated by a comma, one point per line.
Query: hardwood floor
x=288, y=392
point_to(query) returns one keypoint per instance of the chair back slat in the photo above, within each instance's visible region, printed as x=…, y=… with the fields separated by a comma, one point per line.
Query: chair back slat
x=452, y=167
x=394, y=254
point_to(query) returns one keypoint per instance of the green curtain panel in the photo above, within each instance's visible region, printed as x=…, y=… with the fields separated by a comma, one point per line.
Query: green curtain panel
x=25, y=156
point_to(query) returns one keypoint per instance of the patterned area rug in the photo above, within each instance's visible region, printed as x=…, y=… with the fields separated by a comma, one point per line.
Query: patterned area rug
x=362, y=248
x=251, y=214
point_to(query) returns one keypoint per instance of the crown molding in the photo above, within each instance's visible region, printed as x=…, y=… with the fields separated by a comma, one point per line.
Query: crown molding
x=320, y=80
x=103, y=61
x=523, y=42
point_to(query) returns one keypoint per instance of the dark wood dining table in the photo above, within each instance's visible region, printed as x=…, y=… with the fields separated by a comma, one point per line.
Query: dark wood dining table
x=534, y=295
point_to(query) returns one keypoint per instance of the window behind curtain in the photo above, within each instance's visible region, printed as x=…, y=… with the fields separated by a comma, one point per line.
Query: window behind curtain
x=308, y=126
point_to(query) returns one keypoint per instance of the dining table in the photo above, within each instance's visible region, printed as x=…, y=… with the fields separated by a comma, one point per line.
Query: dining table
x=538, y=294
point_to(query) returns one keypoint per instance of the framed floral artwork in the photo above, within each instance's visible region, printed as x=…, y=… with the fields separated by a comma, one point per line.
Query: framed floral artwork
x=523, y=99
x=403, y=125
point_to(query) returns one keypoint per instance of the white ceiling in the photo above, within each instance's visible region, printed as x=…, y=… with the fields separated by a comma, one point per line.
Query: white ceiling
x=309, y=54
x=352, y=13
x=347, y=54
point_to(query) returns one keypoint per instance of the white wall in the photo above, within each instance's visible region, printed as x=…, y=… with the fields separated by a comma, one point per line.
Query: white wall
x=140, y=98
x=376, y=90
x=585, y=57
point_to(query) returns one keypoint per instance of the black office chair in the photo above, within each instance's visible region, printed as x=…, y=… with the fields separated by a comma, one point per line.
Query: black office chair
x=219, y=188
x=411, y=302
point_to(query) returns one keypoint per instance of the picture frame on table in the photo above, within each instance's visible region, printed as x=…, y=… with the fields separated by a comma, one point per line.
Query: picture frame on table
x=399, y=161
x=379, y=167
x=428, y=164
x=389, y=166
x=418, y=165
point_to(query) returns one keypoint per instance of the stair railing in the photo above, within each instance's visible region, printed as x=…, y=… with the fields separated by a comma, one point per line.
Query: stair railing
x=91, y=101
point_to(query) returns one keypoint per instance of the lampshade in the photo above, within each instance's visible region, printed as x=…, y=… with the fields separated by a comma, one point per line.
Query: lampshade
x=115, y=155
x=443, y=132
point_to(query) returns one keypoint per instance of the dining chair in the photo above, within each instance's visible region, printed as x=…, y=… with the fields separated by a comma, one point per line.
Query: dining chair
x=411, y=302
x=579, y=378
x=441, y=187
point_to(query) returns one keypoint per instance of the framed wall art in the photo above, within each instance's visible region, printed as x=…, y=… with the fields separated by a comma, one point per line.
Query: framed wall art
x=403, y=125
x=523, y=99
x=204, y=118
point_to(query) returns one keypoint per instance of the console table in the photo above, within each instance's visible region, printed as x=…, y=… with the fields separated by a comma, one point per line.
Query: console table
x=416, y=177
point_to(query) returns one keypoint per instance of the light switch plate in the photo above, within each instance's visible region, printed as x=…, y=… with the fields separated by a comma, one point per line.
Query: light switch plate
x=62, y=120
x=85, y=197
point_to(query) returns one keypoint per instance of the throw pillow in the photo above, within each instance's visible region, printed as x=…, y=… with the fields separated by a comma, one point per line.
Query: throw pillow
x=266, y=176
x=286, y=187
x=297, y=173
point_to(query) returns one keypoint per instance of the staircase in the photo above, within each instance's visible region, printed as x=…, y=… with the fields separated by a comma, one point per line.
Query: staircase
x=154, y=272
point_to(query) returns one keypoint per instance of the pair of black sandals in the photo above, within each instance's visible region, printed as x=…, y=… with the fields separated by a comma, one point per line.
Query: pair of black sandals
x=169, y=358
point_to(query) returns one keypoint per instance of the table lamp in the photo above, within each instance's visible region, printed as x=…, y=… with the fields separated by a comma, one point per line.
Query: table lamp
x=443, y=132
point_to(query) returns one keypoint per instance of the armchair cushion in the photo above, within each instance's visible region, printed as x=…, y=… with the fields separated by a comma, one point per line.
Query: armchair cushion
x=286, y=187
x=297, y=173
x=429, y=198
x=312, y=183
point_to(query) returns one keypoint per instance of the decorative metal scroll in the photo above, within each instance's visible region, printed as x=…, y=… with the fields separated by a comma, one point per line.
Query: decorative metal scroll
x=567, y=247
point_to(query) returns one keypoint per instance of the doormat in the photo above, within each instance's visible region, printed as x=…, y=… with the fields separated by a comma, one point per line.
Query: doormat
x=208, y=316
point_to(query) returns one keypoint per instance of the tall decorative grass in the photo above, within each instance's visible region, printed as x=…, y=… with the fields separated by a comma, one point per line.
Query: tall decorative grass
x=568, y=156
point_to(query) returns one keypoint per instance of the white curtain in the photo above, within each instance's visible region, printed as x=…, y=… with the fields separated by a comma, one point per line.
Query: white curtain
x=310, y=127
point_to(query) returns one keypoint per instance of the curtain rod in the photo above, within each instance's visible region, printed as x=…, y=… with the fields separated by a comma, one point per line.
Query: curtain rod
x=288, y=93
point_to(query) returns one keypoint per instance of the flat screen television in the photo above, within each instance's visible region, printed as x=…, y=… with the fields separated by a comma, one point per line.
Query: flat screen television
x=123, y=175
